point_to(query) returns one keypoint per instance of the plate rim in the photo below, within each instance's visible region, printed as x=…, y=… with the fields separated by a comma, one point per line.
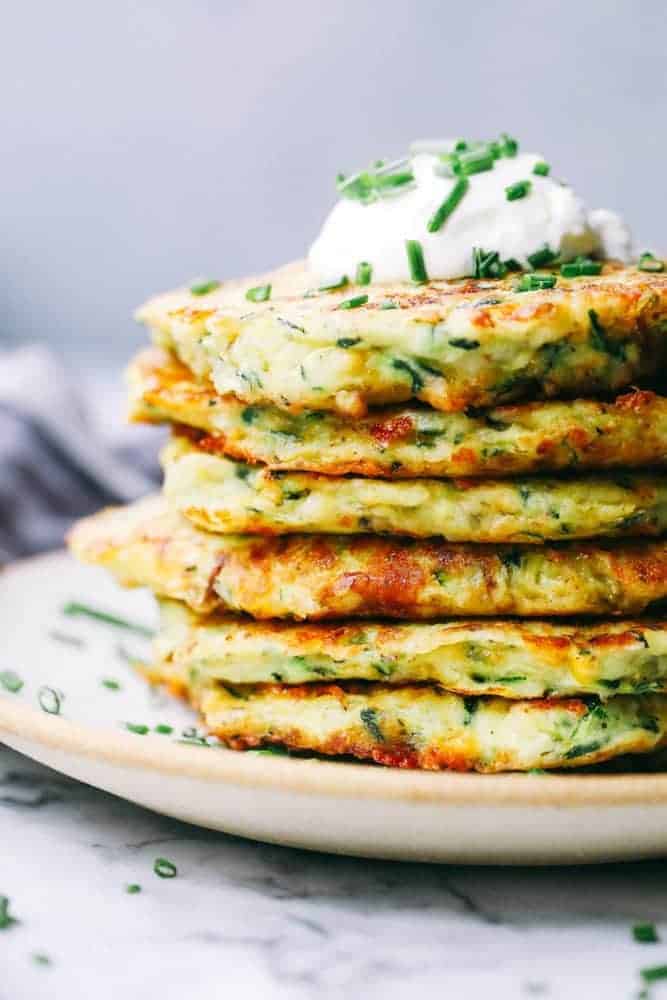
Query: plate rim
x=313, y=776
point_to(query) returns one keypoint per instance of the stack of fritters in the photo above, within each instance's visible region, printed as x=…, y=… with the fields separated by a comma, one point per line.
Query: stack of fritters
x=384, y=507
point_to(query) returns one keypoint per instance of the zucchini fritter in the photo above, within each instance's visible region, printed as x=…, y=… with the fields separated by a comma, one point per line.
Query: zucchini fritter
x=425, y=727
x=221, y=495
x=508, y=658
x=406, y=441
x=319, y=577
x=452, y=344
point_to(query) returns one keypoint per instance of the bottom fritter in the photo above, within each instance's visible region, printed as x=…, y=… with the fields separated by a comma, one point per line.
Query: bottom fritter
x=423, y=726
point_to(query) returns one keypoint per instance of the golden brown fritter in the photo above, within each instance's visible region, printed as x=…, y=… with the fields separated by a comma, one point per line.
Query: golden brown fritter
x=452, y=344
x=329, y=576
x=406, y=441
x=513, y=659
x=230, y=497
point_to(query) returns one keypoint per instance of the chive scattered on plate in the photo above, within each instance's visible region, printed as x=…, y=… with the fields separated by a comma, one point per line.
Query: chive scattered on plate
x=165, y=868
x=645, y=933
x=49, y=700
x=11, y=681
x=6, y=919
x=74, y=609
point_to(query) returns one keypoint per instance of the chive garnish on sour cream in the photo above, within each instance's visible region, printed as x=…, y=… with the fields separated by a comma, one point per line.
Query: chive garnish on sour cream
x=416, y=265
x=540, y=258
x=261, y=293
x=364, y=274
x=518, y=190
x=541, y=169
x=487, y=264
x=442, y=213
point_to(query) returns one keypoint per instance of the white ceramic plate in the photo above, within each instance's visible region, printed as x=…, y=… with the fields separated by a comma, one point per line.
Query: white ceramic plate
x=322, y=805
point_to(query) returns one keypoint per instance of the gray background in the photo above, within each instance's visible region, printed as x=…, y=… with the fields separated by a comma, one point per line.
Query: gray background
x=147, y=142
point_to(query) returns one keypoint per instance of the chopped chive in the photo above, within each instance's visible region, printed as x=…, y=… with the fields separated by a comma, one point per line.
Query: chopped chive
x=164, y=729
x=534, y=282
x=165, y=868
x=111, y=683
x=545, y=255
x=448, y=205
x=353, y=303
x=66, y=639
x=133, y=888
x=137, y=727
x=512, y=264
x=413, y=248
x=653, y=973
x=579, y=267
x=487, y=264
x=645, y=933
x=346, y=342
x=11, y=681
x=476, y=161
x=647, y=262
x=39, y=958
x=364, y=273
x=6, y=919
x=518, y=190
x=260, y=293
x=49, y=700
x=204, y=286
x=389, y=181
x=508, y=145
x=74, y=609
x=369, y=185
x=331, y=286
x=388, y=304
x=541, y=169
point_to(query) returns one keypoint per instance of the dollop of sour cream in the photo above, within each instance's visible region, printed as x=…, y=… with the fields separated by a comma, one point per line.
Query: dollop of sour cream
x=549, y=214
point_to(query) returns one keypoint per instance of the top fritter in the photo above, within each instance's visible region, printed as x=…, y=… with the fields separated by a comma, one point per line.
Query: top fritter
x=462, y=276
x=452, y=344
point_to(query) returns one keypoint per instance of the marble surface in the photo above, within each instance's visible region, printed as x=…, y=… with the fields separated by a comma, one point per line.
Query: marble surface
x=249, y=920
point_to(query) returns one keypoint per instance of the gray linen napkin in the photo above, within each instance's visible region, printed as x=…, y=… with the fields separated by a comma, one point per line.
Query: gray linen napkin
x=55, y=462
